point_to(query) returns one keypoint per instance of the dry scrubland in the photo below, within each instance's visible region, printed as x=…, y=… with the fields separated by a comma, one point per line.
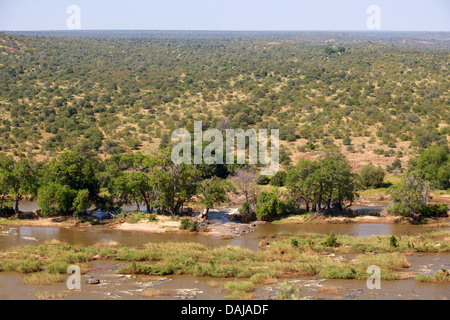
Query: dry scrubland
x=379, y=99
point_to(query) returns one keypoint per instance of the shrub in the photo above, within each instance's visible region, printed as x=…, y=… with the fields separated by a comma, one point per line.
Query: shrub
x=185, y=224
x=371, y=176
x=436, y=210
x=310, y=146
x=279, y=179
x=393, y=242
x=137, y=216
x=7, y=212
x=194, y=226
x=331, y=241
x=347, y=141
x=263, y=180
x=57, y=267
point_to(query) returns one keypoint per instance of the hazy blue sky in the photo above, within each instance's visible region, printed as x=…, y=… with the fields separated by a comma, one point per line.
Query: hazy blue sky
x=398, y=15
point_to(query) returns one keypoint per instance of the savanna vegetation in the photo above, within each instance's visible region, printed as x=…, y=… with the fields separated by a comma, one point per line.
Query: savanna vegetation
x=113, y=93
x=86, y=119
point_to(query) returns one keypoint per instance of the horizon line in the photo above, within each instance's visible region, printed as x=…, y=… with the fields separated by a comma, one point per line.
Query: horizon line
x=225, y=30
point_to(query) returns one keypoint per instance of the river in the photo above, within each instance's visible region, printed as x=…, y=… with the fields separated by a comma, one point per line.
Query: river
x=115, y=286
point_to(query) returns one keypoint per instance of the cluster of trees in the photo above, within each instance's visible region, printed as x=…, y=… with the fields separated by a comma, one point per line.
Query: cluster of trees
x=72, y=183
x=330, y=184
x=330, y=50
x=433, y=165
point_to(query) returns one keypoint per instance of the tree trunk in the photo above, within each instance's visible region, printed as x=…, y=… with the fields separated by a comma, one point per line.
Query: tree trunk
x=138, y=206
x=16, y=207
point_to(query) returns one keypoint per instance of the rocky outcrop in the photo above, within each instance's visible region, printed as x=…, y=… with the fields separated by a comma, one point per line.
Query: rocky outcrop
x=232, y=229
x=92, y=281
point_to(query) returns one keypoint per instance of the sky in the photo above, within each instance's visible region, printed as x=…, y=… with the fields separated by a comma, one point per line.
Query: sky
x=249, y=15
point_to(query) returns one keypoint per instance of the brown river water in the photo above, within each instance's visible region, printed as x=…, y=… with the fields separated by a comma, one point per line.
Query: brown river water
x=114, y=286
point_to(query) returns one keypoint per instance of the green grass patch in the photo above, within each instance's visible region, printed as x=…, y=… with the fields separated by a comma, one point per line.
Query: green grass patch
x=440, y=276
x=44, y=278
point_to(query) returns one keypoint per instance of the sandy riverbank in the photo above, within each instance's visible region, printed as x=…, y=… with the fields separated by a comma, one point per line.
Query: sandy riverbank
x=161, y=225
x=383, y=219
x=57, y=222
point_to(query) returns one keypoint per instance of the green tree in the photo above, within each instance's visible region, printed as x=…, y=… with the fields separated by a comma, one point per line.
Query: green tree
x=127, y=188
x=371, y=176
x=136, y=187
x=75, y=171
x=433, y=165
x=279, y=179
x=54, y=198
x=268, y=206
x=211, y=192
x=329, y=50
x=337, y=181
x=76, y=175
x=21, y=180
x=81, y=203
